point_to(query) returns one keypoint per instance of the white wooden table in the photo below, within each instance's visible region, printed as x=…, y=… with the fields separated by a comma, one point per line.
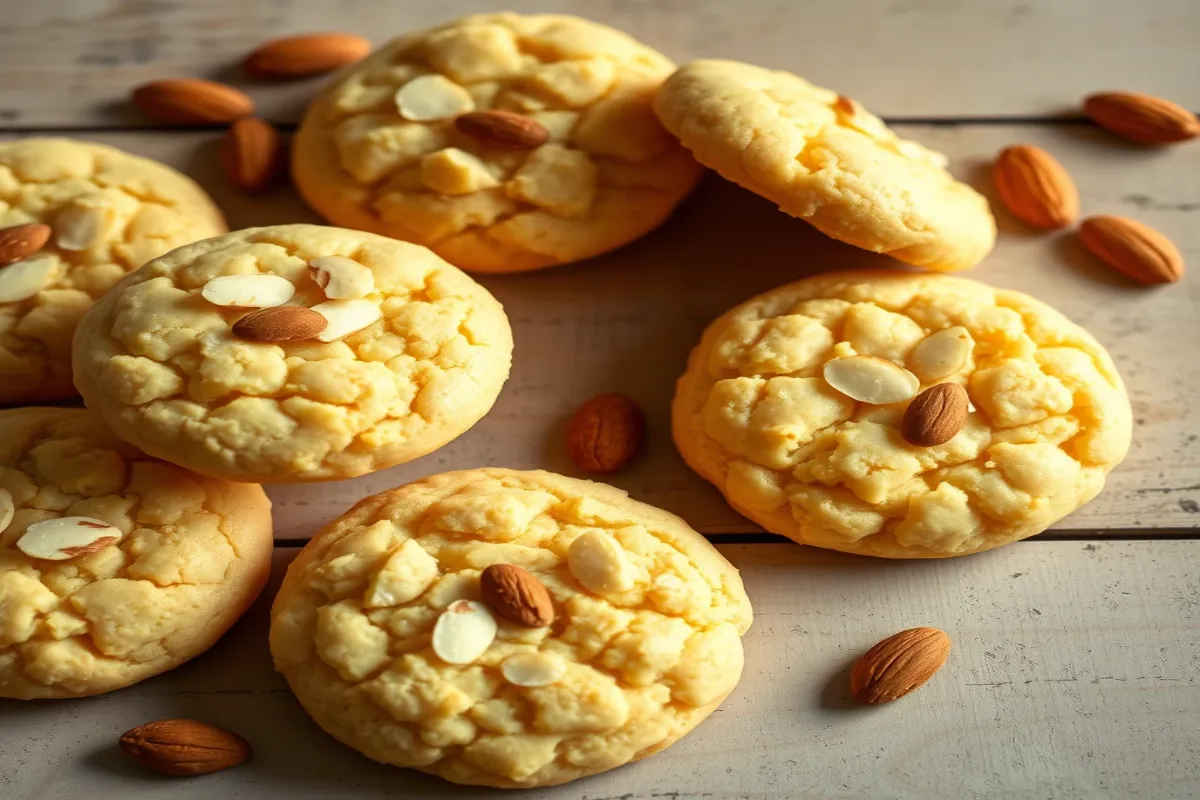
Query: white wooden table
x=1076, y=666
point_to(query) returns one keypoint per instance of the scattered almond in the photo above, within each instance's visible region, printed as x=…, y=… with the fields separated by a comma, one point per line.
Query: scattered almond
x=191, y=101
x=18, y=242
x=252, y=154
x=24, y=279
x=344, y=317
x=1035, y=187
x=432, y=97
x=1131, y=248
x=83, y=223
x=248, y=291
x=67, y=537
x=935, y=415
x=463, y=632
x=505, y=130
x=533, y=669
x=184, y=747
x=341, y=278
x=7, y=509
x=598, y=561
x=310, y=54
x=941, y=354
x=605, y=433
x=1141, y=117
x=899, y=664
x=869, y=379
x=516, y=595
x=279, y=324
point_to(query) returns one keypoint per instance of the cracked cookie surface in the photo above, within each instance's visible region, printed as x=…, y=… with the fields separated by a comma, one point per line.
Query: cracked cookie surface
x=639, y=664
x=823, y=158
x=192, y=555
x=165, y=368
x=755, y=416
x=379, y=150
x=110, y=212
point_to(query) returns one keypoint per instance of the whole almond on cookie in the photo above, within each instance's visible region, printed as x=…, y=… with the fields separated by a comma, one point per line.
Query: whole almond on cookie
x=252, y=154
x=310, y=54
x=1141, y=117
x=1035, y=187
x=899, y=664
x=191, y=101
x=514, y=594
x=503, y=129
x=935, y=415
x=280, y=324
x=184, y=747
x=605, y=433
x=21, y=241
x=1132, y=248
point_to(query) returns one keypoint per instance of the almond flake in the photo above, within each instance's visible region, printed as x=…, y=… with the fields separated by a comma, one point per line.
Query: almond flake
x=533, y=669
x=599, y=562
x=7, y=509
x=345, y=317
x=248, y=291
x=83, y=224
x=341, y=278
x=941, y=354
x=24, y=279
x=67, y=537
x=868, y=379
x=432, y=97
x=463, y=632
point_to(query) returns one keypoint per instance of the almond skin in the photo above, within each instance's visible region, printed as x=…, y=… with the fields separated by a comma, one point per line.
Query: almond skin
x=1141, y=117
x=184, y=747
x=280, y=324
x=899, y=664
x=21, y=241
x=514, y=594
x=252, y=154
x=935, y=415
x=310, y=54
x=1132, y=248
x=1035, y=187
x=190, y=101
x=605, y=433
x=503, y=130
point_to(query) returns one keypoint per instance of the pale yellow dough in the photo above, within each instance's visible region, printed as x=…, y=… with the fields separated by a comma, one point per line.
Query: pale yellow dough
x=754, y=415
x=194, y=554
x=643, y=666
x=163, y=367
x=143, y=209
x=825, y=159
x=608, y=174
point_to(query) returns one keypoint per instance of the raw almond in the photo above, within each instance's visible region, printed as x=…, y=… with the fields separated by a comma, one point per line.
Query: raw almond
x=252, y=154
x=463, y=632
x=310, y=54
x=18, y=242
x=67, y=537
x=279, y=324
x=191, y=101
x=432, y=97
x=1131, y=248
x=605, y=433
x=533, y=669
x=516, y=595
x=344, y=317
x=941, y=354
x=341, y=278
x=248, y=291
x=503, y=130
x=899, y=664
x=24, y=279
x=1035, y=187
x=1141, y=117
x=598, y=561
x=869, y=379
x=935, y=415
x=7, y=509
x=184, y=747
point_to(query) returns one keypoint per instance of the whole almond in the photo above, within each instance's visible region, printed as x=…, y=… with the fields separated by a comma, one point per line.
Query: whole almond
x=21, y=241
x=1141, y=117
x=503, y=130
x=252, y=154
x=899, y=664
x=191, y=101
x=309, y=54
x=605, y=433
x=184, y=747
x=514, y=594
x=1132, y=248
x=280, y=324
x=936, y=415
x=1035, y=187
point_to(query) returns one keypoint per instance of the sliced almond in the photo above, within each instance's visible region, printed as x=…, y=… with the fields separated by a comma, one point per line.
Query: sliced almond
x=533, y=669
x=67, y=537
x=279, y=324
x=248, y=291
x=24, y=279
x=599, y=562
x=83, y=224
x=432, y=97
x=344, y=317
x=7, y=509
x=868, y=379
x=463, y=632
x=941, y=354
x=341, y=278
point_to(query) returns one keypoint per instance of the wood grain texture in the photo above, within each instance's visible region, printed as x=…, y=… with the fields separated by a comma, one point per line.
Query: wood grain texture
x=71, y=64
x=1072, y=675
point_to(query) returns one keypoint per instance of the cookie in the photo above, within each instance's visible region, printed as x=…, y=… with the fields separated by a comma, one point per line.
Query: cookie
x=109, y=212
x=408, y=144
x=293, y=353
x=613, y=630
x=795, y=405
x=823, y=158
x=114, y=566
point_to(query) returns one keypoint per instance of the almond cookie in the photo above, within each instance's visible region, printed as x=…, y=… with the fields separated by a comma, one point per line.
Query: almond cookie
x=87, y=215
x=509, y=629
x=502, y=142
x=293, y=353
x=796, y=405
x=823, y=158
x=114, y=566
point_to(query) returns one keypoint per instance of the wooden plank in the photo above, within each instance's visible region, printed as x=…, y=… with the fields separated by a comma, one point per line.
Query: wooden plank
x=1073, y=675
x=72, y=65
